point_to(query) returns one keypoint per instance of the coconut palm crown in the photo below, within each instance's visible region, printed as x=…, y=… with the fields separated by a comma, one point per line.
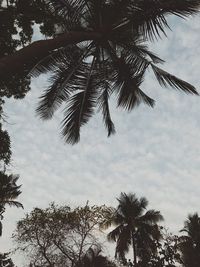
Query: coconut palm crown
x=85, y=75
x=135, y=226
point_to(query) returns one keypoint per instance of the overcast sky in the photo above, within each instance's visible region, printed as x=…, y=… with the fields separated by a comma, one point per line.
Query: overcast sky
x=155, y=152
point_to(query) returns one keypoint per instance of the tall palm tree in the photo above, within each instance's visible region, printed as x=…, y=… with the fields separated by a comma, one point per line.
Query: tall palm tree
x=190, y=243
x=135, y=226
x=9, y=191
x=112, y=57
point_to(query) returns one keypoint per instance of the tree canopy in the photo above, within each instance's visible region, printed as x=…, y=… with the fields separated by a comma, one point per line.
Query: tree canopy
x=58, y=236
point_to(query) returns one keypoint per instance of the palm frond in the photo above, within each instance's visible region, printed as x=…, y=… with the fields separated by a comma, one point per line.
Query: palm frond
x=55, y=95
x=114, y=234
x=104, y=106
x=9, y=191
x=140, y=52
x=151, y=217
x=165, y=79
x=70, y=10
x=124, y=241
x=12, y=203
x=150, y=17
x=131, y=96
x=80, y=108
x=68, y=64
x=50, y=62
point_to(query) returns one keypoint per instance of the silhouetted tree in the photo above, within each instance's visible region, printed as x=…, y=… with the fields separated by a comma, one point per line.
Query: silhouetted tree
x=59, y=236
x=111, y=56
x=190, y=243
x=135, y=227
x=9, y=192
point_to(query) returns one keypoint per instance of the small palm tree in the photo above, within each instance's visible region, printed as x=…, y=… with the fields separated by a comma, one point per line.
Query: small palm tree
x=9, y=191
x=113, y=57
x=135, y=226
x=190, y=243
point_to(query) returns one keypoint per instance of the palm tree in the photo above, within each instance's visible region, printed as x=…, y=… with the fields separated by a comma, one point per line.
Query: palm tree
x=9, y=191
x=103, y=50
x=135, y=226
x=190, y=243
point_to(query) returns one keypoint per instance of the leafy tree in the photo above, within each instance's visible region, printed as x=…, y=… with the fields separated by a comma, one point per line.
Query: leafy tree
x=102, y=50
x=134, y=227
x=190, y=243
x=59, y=236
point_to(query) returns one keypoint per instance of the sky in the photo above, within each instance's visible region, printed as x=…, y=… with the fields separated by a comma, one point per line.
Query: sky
x=155, y=152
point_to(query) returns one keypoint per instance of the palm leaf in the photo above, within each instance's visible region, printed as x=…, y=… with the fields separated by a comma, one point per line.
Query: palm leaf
x=130, y=95
x=70, y=10
x=104, y=106
x=124, y=241
x=165, y=79
x=53, y=61
x=114, y=234
x=62, y=83
x=150, y=15
x=151, y=217
x=79, y=110
x=12, y=203
x=140, y=52
x=80, y=107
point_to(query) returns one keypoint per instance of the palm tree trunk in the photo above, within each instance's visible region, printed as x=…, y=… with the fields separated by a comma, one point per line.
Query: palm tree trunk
x=134, y=250
x=26, y=58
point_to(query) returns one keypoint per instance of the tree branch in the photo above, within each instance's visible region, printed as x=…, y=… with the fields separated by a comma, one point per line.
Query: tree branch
x=25, y=59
